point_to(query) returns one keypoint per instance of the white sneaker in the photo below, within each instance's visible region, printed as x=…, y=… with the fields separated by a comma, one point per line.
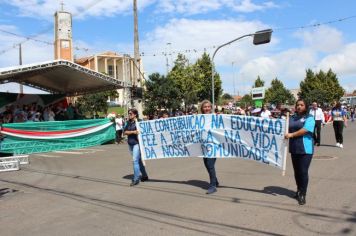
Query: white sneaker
x=337, y=144
x=341, y=146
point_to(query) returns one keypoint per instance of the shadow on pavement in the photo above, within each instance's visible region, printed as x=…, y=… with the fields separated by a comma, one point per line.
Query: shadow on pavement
x=154, y=214
x=327, y=145
x=196, y=183
x=272, y=190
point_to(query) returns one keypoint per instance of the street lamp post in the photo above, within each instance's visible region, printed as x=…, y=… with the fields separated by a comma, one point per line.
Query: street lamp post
x=259, y=37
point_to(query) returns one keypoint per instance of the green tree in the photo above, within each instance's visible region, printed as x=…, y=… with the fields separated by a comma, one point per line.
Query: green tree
x=160, y=93
x=246, y=101
x=320, y=87
x=96, y=102
x=181, y=76
x=278, y=94
x=202, y=76
x=227, y=96
x=258, y=83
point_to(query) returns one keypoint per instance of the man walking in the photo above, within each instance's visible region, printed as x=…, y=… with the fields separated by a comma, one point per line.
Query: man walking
x=318, y=115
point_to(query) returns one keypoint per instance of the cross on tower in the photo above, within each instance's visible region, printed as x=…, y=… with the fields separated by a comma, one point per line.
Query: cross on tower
x=62, y=6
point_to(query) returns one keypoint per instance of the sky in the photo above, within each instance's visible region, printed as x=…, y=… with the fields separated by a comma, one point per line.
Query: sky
x=315, y=34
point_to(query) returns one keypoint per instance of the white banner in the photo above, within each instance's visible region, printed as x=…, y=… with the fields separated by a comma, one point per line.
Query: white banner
x=215, y=135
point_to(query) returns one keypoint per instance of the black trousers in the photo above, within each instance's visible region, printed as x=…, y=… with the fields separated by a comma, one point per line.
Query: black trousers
x=210, y=167
x=317, y=131
x=338, y=128
x=301, y=163
x=119, y=135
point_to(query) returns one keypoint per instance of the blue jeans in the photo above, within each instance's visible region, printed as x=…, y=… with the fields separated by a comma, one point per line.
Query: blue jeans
x=138, y=167
x=210, y=167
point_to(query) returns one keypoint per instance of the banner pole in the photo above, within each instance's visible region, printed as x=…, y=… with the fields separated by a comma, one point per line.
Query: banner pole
x=139, y=142
x=286, y=147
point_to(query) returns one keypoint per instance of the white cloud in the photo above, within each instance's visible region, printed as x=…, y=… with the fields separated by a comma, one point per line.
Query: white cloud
x=189, y=7
x=288, y=66
x=250, y=61
x=342, y=62
x=31, y=52
x=197, y=35
x=79, y=8
x=249, y=6
x=83, y=8
x=321, y=47
x=323, y=38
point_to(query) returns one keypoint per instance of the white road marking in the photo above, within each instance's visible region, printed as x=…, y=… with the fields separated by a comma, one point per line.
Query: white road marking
x=44, y=155
x=98, y=150
x=65, y=152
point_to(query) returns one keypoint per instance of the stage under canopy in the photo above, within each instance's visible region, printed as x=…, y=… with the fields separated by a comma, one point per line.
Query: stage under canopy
x=60, y=77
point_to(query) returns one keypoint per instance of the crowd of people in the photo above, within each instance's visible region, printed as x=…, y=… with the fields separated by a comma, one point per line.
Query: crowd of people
x=303, y=133
x=36, y=113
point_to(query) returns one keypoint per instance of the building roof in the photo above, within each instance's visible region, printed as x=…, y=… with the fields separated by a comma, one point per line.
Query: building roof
x=60, y=76
x=103, y=54
x=237, y=98
x=349, y=95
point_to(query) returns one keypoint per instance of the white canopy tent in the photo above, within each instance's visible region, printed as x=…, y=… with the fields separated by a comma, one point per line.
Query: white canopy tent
x=60, y=77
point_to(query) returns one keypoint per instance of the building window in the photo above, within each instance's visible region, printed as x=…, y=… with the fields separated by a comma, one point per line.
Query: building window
x=111, y=70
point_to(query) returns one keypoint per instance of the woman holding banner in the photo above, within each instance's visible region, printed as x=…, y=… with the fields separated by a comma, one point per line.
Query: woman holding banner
x=301, y=129
x=131, y=131
x=206, y=108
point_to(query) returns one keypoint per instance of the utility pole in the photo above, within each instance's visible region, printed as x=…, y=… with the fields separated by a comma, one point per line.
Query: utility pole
x=20, y=63
x=167, y=64
x=136, y=44
x=168, y=52
x=233, y=78
x=137, y=67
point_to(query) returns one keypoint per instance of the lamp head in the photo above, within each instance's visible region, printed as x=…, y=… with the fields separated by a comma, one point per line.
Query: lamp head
x=262, y=37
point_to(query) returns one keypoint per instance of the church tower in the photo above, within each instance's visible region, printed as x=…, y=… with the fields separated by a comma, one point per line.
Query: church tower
x=63, y=46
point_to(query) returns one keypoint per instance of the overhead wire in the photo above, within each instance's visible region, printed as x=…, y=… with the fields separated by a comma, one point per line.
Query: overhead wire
x=314, y=25
x=165, y=53
x=33, y=38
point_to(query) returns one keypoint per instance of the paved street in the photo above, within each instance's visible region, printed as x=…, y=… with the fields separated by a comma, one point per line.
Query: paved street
x=86, y=192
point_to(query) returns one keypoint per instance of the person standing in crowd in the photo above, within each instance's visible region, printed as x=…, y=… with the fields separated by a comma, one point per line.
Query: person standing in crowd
x=300, y=135
x=265, y=113
x=327, y=115
x=165, y=114
x=51, y=113
x=352, y=113
x=209, y=163
x=240, y=111
x=119, y=125
x=134, y=147
x=70, y=112
x=338, y=115
x=318, y=115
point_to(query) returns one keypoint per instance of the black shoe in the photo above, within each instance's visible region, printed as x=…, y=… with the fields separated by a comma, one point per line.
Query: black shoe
x=217, y=184
x=211, y=189
x=297, y=194
x=133, y=183
x=301, y=199
x=145, y=178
